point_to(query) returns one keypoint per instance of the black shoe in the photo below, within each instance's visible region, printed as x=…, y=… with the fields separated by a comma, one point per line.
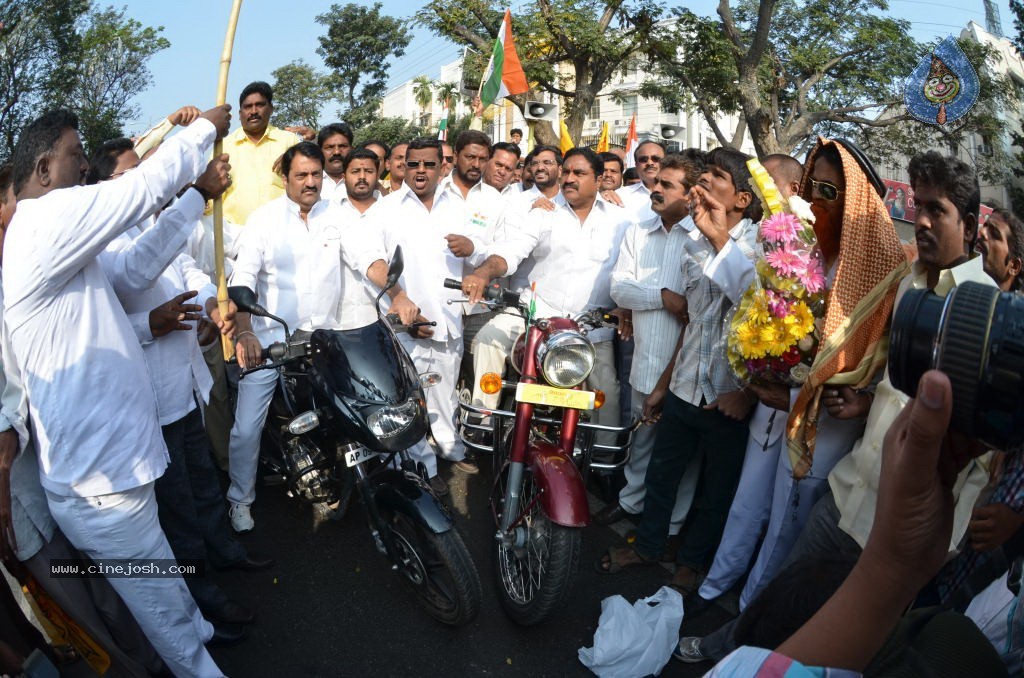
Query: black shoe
x=226, y=634
x=439, y=486
x=694, y=605
x=251, y=563
x=229, y=613
x=612, y=513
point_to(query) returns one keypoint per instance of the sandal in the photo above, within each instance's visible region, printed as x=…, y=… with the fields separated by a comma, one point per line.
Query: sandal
x=611, y=562
x=686, y=580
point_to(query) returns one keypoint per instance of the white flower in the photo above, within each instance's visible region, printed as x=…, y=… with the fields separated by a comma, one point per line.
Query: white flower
x=801, y=209
x=799, y=372
x=806, y=344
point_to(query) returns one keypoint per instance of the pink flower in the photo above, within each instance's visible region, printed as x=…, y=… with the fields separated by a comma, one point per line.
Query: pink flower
x=777, y=304
x=787, y=263
x=813, y=277
x=780, y=228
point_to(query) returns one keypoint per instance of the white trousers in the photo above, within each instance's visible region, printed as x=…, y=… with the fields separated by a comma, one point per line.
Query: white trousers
x=631, y=497
x=254, y=395
x=491, y=346
x=444, y=358
x=124, y=526
x=991, y=610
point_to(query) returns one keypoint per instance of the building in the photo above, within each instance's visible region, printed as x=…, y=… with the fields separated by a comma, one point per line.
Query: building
x=400, y=101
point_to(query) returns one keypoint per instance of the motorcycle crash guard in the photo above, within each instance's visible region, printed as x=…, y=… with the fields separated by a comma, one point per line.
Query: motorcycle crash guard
x=563, y=496
x=397, y=492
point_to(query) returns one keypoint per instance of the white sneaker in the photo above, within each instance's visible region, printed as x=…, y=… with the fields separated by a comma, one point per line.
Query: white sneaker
x=241, y=519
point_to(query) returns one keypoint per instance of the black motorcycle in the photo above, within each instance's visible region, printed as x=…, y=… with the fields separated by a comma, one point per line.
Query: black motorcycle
x=347, y=407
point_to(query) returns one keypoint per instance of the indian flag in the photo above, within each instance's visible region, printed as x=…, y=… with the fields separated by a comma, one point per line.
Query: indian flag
x=442, y=126
x=631, y=143
x=504, y=75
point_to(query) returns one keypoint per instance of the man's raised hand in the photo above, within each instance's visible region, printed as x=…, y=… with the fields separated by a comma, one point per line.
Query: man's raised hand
x=184, y=116
x=220, y=116
x=216, y=178
x=174, y=315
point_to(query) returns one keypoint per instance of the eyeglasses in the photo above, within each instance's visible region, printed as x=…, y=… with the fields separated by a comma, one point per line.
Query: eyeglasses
x=826, y=190
x=645, y=158
x=545, y=163
x=449, y=158
x=413, y=164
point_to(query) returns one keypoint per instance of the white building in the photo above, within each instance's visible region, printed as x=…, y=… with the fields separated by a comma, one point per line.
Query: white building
x=400, y=101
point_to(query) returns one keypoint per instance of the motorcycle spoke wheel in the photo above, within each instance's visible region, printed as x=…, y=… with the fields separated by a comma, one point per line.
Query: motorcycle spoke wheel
x=536, y=564
x=438, y=569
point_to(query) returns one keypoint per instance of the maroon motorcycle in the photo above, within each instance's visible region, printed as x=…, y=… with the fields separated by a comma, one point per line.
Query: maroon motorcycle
x=544, y=444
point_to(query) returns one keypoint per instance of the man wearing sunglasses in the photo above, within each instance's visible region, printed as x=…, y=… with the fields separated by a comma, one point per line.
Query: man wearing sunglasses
x=637, y=198
x=430, y=224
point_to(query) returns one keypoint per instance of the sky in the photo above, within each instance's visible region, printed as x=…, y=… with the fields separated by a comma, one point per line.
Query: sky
x=272, y=33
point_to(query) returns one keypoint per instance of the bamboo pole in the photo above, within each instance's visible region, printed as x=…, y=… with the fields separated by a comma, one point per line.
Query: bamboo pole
x=218, y=204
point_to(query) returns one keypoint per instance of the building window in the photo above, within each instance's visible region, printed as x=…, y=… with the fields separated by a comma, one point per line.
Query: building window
x=595, y=110
x=629, y=106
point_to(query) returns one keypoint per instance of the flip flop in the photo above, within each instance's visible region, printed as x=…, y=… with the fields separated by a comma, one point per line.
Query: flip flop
x=683, y=588
x=607, y=563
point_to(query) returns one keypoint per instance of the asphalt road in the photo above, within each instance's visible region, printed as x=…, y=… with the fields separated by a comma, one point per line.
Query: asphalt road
x=332, y=607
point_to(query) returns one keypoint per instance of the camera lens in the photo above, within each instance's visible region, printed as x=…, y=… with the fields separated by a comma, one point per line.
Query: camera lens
x=976, y=336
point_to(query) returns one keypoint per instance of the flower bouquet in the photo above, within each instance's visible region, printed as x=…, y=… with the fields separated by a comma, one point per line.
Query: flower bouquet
x=773, y=332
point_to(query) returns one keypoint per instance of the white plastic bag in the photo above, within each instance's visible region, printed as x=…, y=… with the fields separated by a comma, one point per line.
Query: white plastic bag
x=635, y=640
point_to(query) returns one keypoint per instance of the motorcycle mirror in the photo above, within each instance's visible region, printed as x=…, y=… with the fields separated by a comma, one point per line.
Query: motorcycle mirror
x=396, y=267
x=245, y=299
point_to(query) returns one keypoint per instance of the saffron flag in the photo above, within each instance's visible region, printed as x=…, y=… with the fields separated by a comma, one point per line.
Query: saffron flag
x=504, y=75
x=631, y=144
x=565, y=142
x=602, y=141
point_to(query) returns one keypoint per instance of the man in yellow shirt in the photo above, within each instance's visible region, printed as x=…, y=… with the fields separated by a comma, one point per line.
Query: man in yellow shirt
x=254, y=150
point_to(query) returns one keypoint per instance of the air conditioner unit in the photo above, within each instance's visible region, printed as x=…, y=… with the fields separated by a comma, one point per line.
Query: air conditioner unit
x=621, y=123
x=593, y=124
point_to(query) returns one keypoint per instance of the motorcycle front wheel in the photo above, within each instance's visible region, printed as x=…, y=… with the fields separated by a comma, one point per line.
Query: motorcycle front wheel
x=536, y=563
x=438, y=569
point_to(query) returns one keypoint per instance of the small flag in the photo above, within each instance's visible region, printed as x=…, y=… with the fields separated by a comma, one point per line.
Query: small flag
x=631, y=143
x=442, y=126
x=602, y=141
x=531, y=311
x=504, y=75
x=565, y=141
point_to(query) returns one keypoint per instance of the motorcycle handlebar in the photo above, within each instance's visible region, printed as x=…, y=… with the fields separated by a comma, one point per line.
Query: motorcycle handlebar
x=493, y=292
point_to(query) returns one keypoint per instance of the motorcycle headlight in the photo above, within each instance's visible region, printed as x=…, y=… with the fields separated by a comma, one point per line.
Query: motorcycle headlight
x=390, y=421
x=566, y=358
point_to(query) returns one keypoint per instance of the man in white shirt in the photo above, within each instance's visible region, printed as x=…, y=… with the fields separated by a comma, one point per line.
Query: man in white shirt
x=574, y=248
x=396, y=168
x=441, y=230
x=94, y=415
x=648, y=280
x=501, y=168
x=190, y=502
x=335, y=140
x=637, y=198
x=291, y=255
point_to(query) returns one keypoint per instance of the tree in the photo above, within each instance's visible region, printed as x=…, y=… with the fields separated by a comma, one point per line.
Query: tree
x=112, y=71
x=423, y=94
x=447, y=93
x=569, y=48
x=38, y=52
x=1017, y=8
x=790, y=66
x=390, y=131
x=300, y=92
x=358, y=48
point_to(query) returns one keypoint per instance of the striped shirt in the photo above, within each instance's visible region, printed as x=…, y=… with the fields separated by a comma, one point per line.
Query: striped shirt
x=714, y=282
x=649, y=262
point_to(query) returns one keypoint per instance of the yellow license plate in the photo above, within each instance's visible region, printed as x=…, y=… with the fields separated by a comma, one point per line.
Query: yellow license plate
x=555, y=397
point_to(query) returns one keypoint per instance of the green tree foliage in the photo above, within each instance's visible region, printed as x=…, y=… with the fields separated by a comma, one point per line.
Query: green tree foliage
x=112, y=71
x=423, y=95
x=358, y=48
x=390, y=131
x=1017, y=9
x=569, y=48
x=300, y=92
x=788, y=66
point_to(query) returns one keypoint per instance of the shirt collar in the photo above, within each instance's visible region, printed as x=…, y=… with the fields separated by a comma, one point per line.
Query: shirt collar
x=293, y=207
x=655, y=223
x=971, y=270
x=407, y=193
x=269, y=135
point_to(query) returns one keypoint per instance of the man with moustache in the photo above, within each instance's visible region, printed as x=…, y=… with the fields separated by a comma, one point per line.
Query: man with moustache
x=501, y=168
x=335, y=140
x=574, y=248
x=292, y=255
x=254, y=149
x=648, y=280
x=637, y=198
x=611, y=180
x=448, y=159
x=1001, y=244
x=396, y=168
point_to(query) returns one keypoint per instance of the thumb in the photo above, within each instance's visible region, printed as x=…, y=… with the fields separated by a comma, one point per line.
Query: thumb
x=926, y=419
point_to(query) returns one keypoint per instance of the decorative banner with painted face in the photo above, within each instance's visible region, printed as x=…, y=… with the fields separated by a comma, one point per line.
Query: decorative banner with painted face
x=944, y=85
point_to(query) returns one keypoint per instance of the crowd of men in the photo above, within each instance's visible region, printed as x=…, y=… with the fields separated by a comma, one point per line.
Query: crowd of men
x=117, y=405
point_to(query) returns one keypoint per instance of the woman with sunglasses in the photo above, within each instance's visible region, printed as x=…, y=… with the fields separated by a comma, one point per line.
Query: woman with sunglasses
x=864, y=262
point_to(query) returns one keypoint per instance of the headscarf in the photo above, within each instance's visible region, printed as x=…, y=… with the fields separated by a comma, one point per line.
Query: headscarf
x=854, y=340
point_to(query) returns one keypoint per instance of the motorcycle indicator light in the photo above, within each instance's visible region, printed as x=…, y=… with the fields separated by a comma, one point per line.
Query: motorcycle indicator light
x=428, y=379
x=305, y=422
x=598, y=398
x=490, y=383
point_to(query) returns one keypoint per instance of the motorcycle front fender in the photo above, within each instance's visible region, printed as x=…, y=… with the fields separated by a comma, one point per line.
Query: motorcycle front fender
x=394, y=491
x=563, y=497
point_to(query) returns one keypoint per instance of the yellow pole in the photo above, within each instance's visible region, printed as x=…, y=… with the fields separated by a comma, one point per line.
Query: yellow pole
x=218, y=204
